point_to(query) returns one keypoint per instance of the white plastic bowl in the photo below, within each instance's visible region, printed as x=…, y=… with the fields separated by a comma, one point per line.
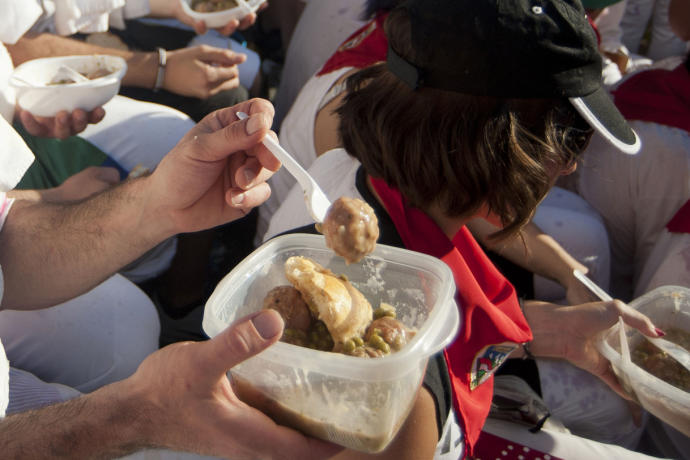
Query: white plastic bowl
x=355, y=402
x=221, y=18
x=667, y=307
x=34, y=93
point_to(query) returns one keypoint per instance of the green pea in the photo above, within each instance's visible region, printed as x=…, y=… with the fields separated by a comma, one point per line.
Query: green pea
x=349, y=346
x=358, y=341
x=384, y=347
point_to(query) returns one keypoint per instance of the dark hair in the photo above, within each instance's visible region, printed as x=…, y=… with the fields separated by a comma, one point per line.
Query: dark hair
x=374, y=6
x=455, y=150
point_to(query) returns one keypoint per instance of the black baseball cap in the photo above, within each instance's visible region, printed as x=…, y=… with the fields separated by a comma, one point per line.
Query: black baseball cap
x=512, y=49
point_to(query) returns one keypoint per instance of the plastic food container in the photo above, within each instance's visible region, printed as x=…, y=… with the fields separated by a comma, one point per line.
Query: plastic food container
x=222, y=17
x=31, y=82
x=355, y=402
x=668, y=307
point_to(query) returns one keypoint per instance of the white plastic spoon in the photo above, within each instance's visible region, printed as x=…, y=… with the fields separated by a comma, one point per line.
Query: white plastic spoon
x=317, y=201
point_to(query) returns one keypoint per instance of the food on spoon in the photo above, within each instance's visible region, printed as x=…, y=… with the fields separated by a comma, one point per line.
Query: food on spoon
x=351, y=228
x=332, y=299
x=210, y=6
x=658, y=363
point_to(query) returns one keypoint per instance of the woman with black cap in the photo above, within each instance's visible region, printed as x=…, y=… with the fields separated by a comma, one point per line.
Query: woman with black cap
x=478, y=109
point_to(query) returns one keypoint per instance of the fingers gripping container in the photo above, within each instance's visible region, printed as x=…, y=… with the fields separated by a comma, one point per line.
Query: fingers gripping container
x=667, y=307
x=355, y=402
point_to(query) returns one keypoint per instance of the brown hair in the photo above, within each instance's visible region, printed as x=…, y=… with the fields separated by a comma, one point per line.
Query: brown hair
x=456, y=150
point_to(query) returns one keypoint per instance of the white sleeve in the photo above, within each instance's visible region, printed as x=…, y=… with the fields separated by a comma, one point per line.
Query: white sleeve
x=132, y=9
x=17, y=17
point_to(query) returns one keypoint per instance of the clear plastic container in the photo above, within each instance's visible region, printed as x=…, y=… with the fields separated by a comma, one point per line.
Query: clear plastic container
x=355, y=402
x=668, y=307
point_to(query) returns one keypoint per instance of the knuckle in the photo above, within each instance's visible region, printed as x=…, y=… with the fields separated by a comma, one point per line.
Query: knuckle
x=239, y=343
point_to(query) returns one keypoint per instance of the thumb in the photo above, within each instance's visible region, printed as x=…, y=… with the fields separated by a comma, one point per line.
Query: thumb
x=108, y=174
x=241, y=340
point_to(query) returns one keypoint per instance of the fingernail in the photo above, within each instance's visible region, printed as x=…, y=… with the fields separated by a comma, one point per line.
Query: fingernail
x=238, y=199
x=266, y=324
x=659, y=332
x=249, y=175
x=255, y=123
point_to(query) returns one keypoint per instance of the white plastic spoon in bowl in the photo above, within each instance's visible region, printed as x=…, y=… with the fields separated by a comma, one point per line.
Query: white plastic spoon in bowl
x=677, y=352
x=68, y=72
x=317, y=201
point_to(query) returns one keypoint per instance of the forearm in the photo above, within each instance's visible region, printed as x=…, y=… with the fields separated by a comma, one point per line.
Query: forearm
x=538, y=253
x=103, y=424
x=141, y=67
x=51, y=252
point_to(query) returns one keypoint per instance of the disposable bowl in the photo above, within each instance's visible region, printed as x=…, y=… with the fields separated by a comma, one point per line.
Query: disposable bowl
x=355, y=402
x=31, y=82
x=222, y=17
x=667, y=307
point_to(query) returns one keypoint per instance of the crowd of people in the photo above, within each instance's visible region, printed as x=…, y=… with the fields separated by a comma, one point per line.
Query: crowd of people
x=518, y=141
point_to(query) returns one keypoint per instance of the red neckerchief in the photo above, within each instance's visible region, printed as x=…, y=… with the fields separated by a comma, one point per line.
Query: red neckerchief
x=363, y=48
x=663, y=97
x=492, y=321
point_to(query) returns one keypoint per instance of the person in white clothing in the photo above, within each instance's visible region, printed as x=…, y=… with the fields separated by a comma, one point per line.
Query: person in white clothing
x=180, y=397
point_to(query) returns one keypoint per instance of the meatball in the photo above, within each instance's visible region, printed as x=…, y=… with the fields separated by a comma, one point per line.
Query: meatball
x=351, y=228
x=287, y=301
x=391, y=331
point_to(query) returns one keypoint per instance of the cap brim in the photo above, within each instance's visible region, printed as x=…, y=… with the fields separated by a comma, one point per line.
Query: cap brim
x=602, y=115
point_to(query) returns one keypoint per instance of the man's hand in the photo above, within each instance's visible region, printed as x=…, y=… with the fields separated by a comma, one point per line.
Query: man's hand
x=217, y=172
x=184, y=391
x=62, y=125
x=179, y=398
x=202, y=71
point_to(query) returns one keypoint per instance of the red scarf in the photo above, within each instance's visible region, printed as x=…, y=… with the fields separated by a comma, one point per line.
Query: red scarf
x=363, y=48
x=663, y=97
x=493, y=323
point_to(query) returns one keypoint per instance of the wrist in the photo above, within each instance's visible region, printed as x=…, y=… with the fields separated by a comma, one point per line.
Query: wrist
x=155, y=218
x=547, y=325
x=127, y=413
x=141, y=69
x=160, y=72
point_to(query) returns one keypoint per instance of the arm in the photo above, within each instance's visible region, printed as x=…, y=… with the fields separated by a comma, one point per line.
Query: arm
x=179, y=398
x=679, y=18
x=200, y=71
x=570, y=332
x=215, y=174
x=538, y=253
x=83, y=184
